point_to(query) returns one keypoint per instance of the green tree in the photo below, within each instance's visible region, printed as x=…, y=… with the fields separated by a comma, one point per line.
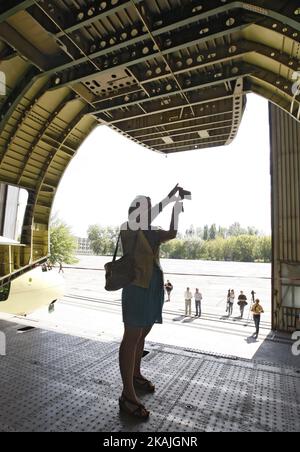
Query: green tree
x=228, y=249
x=218, y=245
x=235, y=230
x=63, y=244
x=199, y=233
x=103, y=239
x=263, y=249
x=243, y=250
x=174, y=249
x=251, y=230
x=213, y=232
x=192, y=249
x=94, y=236
x=222, y=232
x=190, y=232
x=206, y=233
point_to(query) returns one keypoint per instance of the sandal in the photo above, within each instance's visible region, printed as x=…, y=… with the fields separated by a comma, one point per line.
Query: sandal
x=139, y=411
x=144, y=384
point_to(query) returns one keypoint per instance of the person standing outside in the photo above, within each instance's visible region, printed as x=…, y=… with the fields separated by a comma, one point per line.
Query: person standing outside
x=228, y=301
x=257, y=310
x=169, y=287
x=188, y=302
x=231, y=302
x=198, y=300
x=242, y=303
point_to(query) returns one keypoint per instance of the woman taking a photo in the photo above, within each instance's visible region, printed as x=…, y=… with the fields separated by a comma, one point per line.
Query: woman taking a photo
x=142, y=301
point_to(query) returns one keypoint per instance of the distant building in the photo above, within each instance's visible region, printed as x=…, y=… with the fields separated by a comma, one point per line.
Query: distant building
x=84, y=246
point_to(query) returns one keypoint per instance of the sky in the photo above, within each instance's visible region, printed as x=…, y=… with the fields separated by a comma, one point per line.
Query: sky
x=229, y=184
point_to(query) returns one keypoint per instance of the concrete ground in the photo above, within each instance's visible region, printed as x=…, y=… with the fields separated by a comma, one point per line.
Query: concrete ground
x=88, y=310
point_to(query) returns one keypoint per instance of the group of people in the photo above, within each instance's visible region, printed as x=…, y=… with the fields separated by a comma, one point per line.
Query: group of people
x=256, y=308
x=188, y=296
x=47, y=267
x=242, y=302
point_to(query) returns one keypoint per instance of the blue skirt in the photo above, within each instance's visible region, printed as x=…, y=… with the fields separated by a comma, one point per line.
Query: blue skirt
x=142, y=308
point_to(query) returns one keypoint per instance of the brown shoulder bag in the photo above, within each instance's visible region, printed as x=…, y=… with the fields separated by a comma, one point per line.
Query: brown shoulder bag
x=120, y=273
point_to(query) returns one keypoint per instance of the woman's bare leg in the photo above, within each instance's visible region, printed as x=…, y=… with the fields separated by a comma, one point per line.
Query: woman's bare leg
x=127, y=356
x=139, y=351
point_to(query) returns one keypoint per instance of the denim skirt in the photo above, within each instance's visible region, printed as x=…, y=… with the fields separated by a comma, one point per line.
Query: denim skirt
x=142, y=308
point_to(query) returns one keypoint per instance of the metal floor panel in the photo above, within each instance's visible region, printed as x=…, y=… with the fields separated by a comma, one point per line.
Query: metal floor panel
x=54, y=382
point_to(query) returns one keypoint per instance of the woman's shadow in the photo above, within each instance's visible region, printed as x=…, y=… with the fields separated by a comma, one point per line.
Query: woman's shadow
x=251, y=339
x=183, y=319
x=188, y=319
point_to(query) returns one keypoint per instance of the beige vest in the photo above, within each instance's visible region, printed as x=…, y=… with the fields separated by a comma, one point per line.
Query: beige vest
x=144, y=257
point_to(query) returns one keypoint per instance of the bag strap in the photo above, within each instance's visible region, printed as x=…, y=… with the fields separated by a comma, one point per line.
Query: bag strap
x=118, y=244
x=117, y=248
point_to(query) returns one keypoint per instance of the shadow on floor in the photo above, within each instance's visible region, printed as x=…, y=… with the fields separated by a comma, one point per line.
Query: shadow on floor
x=251, y=339
x=225, y=317
x=189, y=319
x=277, y=348
x=179, y=319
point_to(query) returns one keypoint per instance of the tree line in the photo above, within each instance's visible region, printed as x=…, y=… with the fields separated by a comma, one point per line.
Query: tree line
x=243, y=248
x=213, y=232
x=204, y=243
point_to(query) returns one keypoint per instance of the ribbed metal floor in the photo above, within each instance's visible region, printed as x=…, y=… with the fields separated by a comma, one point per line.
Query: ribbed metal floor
x=55, y=382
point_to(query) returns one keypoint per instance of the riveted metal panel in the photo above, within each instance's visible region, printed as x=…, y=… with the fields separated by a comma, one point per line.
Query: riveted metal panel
x=60, y=383
x=285, y=162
